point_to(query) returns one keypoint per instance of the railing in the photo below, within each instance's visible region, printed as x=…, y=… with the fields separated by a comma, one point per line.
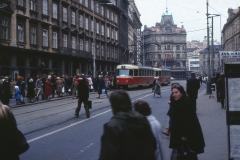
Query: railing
x=75, y=52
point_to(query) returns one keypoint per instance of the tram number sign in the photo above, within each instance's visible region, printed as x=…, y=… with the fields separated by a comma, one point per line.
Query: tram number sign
x=123, y=67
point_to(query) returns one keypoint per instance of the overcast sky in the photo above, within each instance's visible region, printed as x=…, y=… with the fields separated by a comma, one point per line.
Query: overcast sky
x=190, y=13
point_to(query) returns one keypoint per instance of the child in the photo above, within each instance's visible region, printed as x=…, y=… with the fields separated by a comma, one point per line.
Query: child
x=17, y=95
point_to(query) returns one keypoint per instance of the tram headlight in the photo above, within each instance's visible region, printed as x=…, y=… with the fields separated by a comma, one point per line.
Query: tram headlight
x=126, y=81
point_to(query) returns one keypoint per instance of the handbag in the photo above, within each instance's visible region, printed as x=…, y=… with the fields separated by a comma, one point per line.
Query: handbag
x=185, y=153
x=69, y=90
x=103, y=91
x=89, y=103
x=21, y=144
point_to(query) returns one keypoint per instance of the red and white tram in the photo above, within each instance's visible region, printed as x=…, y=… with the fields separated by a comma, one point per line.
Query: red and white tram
x=163, y=75
x=132, y=76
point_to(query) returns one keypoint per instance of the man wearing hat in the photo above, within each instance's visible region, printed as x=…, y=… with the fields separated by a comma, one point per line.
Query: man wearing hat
x=6, y=91
x=192, y=89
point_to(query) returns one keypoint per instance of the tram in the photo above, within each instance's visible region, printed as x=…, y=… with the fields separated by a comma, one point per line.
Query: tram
x=163, y=75
x=133, y=76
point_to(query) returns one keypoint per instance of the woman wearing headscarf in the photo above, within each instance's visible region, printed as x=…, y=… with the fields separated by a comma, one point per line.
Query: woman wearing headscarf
x=59, y=85
x=48, y=88
x=74, y=87
x=186, y=133
x=30, y=91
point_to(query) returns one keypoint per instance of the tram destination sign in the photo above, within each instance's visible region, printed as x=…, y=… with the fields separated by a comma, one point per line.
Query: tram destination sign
x=229, y=54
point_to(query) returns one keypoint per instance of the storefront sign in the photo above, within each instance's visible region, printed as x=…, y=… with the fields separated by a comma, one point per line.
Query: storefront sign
x=229, y=54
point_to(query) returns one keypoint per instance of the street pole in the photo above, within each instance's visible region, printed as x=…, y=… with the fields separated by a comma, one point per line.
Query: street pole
x=212, y=65
x=94, y=54
x=208, y=91
x=165, y=61
x=143, y=50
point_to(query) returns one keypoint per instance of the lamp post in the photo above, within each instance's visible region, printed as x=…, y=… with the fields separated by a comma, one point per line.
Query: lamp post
x=94, y=39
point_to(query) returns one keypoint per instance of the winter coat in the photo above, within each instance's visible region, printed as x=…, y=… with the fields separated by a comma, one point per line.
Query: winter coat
x=106, y=83
x=192, y=87
x=101, y=86
x=127, y=136
x=6, y=90
x=74, y=87
x=185, y=123
x=48, y=88
x=83, y=91
x=30, y=91
x=17, y=93
x=59, y=85
x=221, y=87
x=22, y=88
x=156, y=130
x=39, y=85
x=8, y=137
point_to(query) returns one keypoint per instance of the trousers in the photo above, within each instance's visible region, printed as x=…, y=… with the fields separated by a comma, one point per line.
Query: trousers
x=85, y=106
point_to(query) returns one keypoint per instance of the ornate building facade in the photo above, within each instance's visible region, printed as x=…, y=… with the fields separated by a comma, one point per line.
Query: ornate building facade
x=56, y=36
x=164, y=46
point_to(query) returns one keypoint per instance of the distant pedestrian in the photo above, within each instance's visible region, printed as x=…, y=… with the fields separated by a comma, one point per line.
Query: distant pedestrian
x=193, y=86
x=48, y=88
x=221, y=89
x=23, y=90
x=53, y=83
x=39, y=87
x=12, y=86
x=30, y=91
x=6, y=91
x=83, y=95
x=17, y=95
x=101, y=87
x=43, y=82
x=200, y=79
x=217, y=90
x=157, y=88
x=127, y=135
x=186, y=132
x=74, y=87
x=143, y=108
x=59, y=85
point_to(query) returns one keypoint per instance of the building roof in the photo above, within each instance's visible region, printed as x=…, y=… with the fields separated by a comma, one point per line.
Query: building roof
x=217, y=48
x=167, y=18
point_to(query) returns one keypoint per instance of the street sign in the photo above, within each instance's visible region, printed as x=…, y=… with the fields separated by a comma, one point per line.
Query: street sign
x=229, y=54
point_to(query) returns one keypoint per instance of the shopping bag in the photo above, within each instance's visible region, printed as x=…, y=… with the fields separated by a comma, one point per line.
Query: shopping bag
x=103, y=91
x=63, y=90
x=89, y=104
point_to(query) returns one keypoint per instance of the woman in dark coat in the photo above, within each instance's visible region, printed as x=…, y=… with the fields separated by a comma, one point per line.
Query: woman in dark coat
x=83, y=95
x=185, y=127
x=30, y=91
x=101, y=86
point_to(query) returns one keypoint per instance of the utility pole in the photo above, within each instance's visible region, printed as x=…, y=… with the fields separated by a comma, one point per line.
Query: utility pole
x=212, y=65
x=208, y=91
x=143, y=50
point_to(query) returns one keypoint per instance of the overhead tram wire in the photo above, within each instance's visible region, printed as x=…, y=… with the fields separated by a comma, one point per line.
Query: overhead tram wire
x=197, y=30
x=217, y=11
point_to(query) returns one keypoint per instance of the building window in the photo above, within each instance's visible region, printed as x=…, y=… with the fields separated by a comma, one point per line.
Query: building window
x=4, y=29
x=81, y=21
x=178, y=47
x=92, y=4
x=178, y=56
x=64, y=14
x=55, y=41
x=97, y=8
x=168, y=30
x=102, y=51
x=86, y=3
x=112, y=16
x=177, y=38
x=107, y=13
x=80, y=1
x=45, y=7
x=86, y=24
x=159, y=47
x=116, y=18
x=45, y=38
x=108, y=32
x=102, y=10
x=97, y=49
x=73, y=18
x=73, y=42
x=116, y=35
x=92, y=28
x=81, y=44
x=103, y=30
x=64, y=41
x=108, y=51
x=33, y=35
x=112, y=33
x=168, y=47
x=20, y=33
x=97, y=28
x=86, y=46
x=92, y=49
x=55, y=13
x=21, y=3
x=33, y=5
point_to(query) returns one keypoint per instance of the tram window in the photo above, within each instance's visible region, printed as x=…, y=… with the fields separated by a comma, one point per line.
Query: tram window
x=125, y=72
x=144, y=72
x=131, y=73
x=135, y=72
x=160, y=73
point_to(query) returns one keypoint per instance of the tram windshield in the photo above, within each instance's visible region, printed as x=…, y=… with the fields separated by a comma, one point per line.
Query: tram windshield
x=125, y=72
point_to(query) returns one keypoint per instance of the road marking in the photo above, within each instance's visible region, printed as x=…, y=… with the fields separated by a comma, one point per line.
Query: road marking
x=76, y=123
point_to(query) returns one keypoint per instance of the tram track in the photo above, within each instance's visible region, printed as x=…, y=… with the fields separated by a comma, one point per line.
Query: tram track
x=67, y=120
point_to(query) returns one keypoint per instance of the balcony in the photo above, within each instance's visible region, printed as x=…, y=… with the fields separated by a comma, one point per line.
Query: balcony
x=75, y=52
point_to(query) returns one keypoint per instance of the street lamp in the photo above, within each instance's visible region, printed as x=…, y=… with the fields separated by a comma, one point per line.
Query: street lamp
x=94, y=39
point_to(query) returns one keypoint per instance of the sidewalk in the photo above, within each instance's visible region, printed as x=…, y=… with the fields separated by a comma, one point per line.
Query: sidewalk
x=213, y=122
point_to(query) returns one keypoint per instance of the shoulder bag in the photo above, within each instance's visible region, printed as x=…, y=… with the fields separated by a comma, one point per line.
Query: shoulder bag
x=21, y=144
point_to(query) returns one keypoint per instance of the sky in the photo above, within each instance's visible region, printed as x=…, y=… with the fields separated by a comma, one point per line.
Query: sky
x=190, y=13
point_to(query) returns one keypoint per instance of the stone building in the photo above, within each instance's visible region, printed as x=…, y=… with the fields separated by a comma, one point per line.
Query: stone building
x=134, y=27
x=231, y=33
x=164, y=46
x=203, y=57
x=56, y=36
